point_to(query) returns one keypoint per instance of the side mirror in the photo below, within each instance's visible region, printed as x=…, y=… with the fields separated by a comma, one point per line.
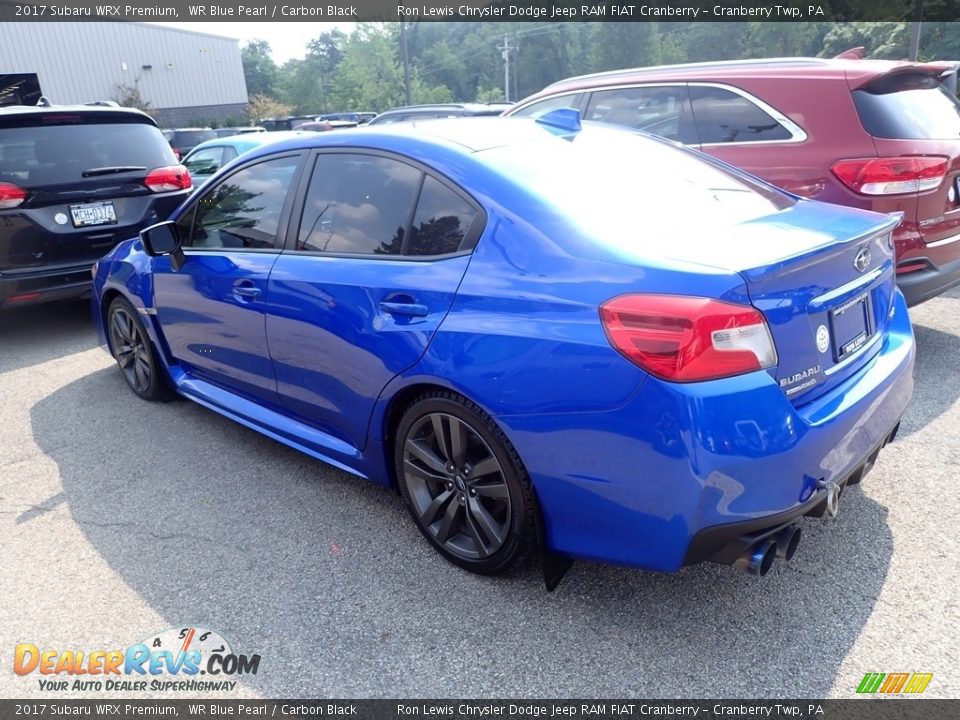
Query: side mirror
x=164, y=239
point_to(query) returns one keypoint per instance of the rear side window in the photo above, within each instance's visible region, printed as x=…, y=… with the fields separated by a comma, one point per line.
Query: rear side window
x=441, y=220
x=658, y=110
x=358, y=204
x=723, y=116
x=910, y=114
x=52, y=154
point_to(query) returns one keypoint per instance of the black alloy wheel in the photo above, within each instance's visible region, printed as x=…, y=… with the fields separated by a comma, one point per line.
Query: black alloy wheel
x=463, y=483
x=133, y=351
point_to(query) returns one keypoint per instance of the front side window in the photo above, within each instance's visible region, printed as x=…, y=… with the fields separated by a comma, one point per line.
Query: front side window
x=658, y=110
x=723, y=116
x=204, y=162
x=243, y=211
x=557, y=102
x=358, y=205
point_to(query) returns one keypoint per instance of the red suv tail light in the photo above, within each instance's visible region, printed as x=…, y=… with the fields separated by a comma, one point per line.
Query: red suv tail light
x=892, y=175
x=686, y=339
x=174, y=177
x=11, y=195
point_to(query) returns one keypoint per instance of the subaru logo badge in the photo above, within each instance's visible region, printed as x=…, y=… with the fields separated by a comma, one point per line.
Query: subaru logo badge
x=862, y=261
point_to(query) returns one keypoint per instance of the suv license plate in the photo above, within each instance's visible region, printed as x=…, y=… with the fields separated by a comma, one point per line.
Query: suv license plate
x=101, y=213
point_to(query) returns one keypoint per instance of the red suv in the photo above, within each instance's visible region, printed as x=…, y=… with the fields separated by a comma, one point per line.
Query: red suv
x=872, y=134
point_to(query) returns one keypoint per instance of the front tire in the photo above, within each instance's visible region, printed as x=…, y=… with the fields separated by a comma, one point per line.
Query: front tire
x=464, y=484
x=135, y=355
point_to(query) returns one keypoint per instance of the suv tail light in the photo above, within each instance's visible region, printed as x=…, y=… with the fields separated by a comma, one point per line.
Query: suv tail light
x=174, y=177
x=11, y=195
x=892, y=175
x=686, y=339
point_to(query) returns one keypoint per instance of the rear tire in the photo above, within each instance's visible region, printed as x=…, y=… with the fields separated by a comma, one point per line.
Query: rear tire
x=464, y=484
x=130, y=345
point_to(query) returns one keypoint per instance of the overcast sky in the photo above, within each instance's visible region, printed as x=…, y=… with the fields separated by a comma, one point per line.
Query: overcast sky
x=287, y=39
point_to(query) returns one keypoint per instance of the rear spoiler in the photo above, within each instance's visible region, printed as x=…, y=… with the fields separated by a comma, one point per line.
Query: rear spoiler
x=902, y=75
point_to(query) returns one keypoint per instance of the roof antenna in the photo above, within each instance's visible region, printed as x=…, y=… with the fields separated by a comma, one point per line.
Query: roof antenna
x=44, y=101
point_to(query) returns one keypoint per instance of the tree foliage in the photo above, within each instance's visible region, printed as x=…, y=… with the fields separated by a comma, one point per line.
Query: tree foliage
x=463, y=61
x=259, y=69
x=130, y=96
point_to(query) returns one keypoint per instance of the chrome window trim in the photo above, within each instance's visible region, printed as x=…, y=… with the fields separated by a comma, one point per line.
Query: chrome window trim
x=797, y=133
x=517, y=108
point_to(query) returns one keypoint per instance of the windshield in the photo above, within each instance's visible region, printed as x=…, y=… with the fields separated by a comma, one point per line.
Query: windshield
x=920, y=114
x=189, y=138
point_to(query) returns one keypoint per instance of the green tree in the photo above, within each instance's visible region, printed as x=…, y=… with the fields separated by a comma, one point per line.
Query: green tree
x=623, y=45
x=880, y=39
x=259, y=69
x=369, y=75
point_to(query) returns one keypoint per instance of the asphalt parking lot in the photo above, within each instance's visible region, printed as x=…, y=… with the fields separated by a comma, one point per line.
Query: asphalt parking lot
x=120, y=518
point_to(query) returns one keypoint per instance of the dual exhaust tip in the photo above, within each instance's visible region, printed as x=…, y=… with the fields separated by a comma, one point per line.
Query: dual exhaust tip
x=758, y=558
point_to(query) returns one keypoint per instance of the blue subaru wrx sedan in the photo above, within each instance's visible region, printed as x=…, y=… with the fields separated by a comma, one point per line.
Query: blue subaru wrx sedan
x=581, y=341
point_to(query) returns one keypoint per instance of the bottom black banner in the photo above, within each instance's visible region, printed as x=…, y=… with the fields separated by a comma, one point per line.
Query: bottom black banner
x=861, y=709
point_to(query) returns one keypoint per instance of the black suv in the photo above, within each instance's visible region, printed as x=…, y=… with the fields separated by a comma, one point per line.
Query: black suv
x=74, y=182
x=183, y=140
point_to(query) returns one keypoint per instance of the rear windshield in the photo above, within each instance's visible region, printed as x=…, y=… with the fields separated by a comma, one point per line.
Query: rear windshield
x=633, y=193
x=929, y=113
x=53, y=154
x=189, y=138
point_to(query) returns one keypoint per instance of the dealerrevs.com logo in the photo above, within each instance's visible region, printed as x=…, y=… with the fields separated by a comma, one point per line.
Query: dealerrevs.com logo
x=173, y=660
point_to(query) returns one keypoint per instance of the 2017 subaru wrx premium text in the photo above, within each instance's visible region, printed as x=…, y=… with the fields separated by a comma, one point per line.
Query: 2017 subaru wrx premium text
x=521, y=325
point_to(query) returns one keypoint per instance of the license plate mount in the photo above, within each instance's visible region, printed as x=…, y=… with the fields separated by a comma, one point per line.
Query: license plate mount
x=851, y=326
x=93, y=214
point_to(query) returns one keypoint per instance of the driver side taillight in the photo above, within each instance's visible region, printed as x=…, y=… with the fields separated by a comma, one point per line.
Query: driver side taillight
x=687, y=339
x=11, y=195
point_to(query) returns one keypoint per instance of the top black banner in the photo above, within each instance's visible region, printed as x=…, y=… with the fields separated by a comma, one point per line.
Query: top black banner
x=482, y=11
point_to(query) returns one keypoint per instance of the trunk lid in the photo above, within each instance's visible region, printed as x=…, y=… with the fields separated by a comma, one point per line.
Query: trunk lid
x=823, y=277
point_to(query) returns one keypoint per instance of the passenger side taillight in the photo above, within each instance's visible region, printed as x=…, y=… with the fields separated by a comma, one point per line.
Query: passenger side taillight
x=11, y=195
x=686, y=339
x=165, y=179
x=891, y=175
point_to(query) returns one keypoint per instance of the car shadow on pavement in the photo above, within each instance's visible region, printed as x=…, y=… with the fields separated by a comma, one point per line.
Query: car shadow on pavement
x=36, y=334
x=325, y=576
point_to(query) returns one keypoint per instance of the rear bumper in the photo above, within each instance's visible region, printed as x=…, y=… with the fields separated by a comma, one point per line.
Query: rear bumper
x=725, y=543
x=45, y=285
x=933, y=280
x=680, y=471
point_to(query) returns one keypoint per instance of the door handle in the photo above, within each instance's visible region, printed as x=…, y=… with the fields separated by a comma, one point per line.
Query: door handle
x=404, y=308
x=246, y=289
